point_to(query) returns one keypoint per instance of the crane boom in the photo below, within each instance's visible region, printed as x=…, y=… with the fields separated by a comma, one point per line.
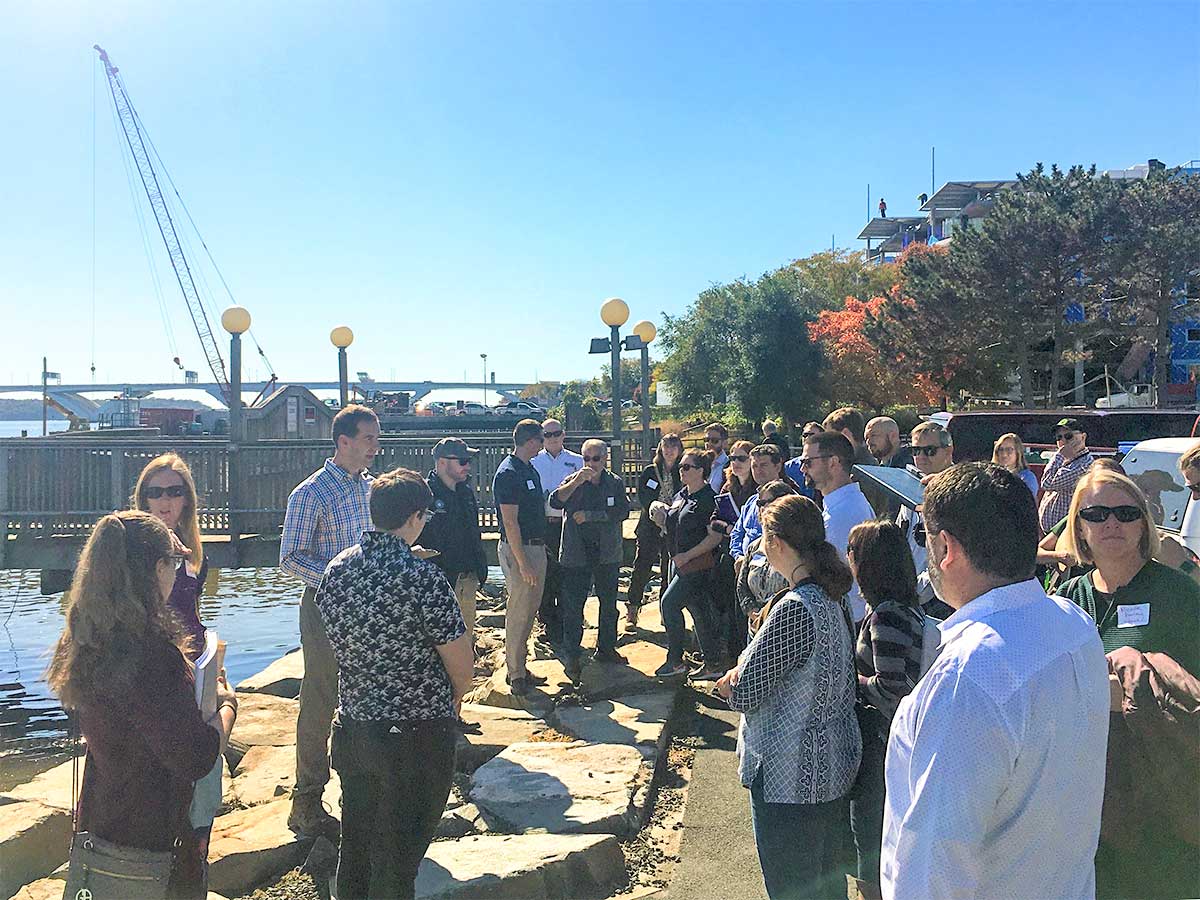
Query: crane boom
x=166, y=225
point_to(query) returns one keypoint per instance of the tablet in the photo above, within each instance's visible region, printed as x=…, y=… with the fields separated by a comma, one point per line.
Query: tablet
x=899, y=484
x=727, y=510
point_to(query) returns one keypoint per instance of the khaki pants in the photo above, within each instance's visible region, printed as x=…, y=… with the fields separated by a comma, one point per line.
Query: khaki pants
x=318, y=697
x=465, y=588
x=523, y=602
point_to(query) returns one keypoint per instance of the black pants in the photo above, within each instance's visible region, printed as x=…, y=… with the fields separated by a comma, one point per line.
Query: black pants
x=394, y=789
x=550, y=610
x=866, y=804
x=651, y=549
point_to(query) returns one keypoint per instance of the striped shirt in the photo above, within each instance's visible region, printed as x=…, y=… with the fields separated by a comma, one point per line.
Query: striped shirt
x=888, y=655
x=1058, y=486
x=326, y=513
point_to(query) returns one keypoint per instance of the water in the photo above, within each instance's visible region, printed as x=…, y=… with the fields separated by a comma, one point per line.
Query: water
x=13, y=428
x=255, y=611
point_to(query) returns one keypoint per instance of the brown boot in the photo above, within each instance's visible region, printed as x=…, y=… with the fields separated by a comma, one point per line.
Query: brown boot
x=308, y=818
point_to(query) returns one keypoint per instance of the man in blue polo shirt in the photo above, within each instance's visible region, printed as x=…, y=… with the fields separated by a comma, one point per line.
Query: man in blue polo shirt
x=517, y=490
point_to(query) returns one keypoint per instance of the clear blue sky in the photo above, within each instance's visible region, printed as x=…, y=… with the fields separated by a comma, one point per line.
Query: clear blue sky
x=451, y=178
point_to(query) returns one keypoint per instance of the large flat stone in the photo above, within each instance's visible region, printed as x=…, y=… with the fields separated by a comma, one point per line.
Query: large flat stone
x=265, y=721
x=250, y=846
x=638, y=720
x=35, y=839
x=499, y=727
x=555, y=866
x=266, y=774
x=281, y=678
x=52, y=787
x=561, y=788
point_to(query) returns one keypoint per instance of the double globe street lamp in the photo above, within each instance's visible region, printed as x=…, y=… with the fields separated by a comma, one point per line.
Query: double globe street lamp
x=614, y=313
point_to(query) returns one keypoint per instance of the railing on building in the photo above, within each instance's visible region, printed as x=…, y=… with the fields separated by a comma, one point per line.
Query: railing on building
x=57, y=488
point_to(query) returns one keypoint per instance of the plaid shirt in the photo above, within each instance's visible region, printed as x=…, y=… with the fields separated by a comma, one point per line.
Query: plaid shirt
x=1058, y=486
x=326, y=513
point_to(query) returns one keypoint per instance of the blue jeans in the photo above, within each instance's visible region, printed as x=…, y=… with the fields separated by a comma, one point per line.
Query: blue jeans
x=577, y=580
x=866, y=809
x=691, y=591
x=798, y=844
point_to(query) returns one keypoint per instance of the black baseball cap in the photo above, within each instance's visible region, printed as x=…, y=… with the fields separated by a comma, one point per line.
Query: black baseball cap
x=1067, y=425
x=453, y=448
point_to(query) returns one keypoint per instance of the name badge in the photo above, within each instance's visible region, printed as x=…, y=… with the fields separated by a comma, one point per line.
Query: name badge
x=612, y=501
x=1133, y=615
x=651, y=483
x=529, y=484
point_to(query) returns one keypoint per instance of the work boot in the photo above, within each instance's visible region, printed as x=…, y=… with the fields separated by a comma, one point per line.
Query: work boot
x=308, y=818
x=631, y=617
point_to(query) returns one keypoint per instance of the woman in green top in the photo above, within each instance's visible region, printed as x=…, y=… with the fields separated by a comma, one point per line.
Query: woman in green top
x=1135, y=601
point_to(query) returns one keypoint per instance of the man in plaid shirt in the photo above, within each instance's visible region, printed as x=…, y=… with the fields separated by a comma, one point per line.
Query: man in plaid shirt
x=326, y=513
x=1068, y=465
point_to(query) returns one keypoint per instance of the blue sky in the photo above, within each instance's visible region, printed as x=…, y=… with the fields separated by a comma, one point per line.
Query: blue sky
x=453, y=178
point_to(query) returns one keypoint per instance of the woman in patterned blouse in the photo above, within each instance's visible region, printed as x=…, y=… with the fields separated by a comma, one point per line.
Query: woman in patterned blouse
x=798, y=743
x=888, y=660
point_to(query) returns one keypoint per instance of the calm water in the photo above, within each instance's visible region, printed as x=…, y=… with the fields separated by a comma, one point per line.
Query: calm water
x=254, y=610
x=15, y=427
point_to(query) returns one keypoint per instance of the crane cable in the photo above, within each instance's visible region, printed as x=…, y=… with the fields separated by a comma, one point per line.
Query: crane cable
x=199, y=236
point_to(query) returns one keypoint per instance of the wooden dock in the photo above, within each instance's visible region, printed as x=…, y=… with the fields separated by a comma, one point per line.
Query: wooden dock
x=52, y=490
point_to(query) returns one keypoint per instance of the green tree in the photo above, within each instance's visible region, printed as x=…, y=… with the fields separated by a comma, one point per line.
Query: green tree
x=1156, y=256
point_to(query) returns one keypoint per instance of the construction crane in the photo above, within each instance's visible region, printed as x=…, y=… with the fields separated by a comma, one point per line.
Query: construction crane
x=131, y=125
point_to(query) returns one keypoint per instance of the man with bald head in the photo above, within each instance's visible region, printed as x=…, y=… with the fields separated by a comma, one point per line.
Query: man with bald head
x=554, y=464
x=883, y=440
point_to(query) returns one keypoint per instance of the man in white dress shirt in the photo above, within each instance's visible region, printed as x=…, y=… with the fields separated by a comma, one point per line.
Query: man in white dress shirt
x=995, y=763
x=826, y=463
x=716, y=439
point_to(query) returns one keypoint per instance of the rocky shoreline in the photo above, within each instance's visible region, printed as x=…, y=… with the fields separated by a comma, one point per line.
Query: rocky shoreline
x=555, y=796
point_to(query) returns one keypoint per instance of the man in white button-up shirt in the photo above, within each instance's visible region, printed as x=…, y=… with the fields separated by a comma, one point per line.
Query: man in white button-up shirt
x=995, y=764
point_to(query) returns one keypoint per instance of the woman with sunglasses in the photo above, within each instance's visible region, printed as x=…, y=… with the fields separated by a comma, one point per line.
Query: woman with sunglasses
x=692, y=545
x=658, y=483
x=1009, y=452
x=166, y=490
x=798, y=742
x=1144, y=605
x=739, y=481
x=121, y=667
x=757, y=582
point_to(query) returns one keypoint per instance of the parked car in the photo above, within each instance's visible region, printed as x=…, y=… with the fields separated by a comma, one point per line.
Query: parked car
x=474, y=409
x=522, y=408
x=1154, y=466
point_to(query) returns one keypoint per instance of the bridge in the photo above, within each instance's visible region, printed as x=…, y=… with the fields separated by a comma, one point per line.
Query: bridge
x=52, y=491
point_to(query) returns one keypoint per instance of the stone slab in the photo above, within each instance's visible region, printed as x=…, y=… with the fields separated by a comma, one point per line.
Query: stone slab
x=500, y=727
x=250, y=846
x=639, y=720
x=266, y=774
x=52, y=787
x=520, y=866
x=281, y=678
x=265, y=720
x=35, y=839
x=561, y=788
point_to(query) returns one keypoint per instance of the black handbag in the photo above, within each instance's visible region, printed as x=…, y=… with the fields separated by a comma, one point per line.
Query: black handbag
x=101, y=870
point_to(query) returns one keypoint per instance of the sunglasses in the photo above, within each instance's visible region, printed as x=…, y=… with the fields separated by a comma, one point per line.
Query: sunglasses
x=593, y=459
x=688, y=467
x=1064, y=436
x=155, y=493
x=741, y=457
x=1098, y=514
x=712, y=440
x=806, y=461
x=927, y=451
x=459, y=460
x=552, y=434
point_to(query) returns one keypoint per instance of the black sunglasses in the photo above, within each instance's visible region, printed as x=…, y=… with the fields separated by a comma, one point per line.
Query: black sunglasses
x=1064, y=435
x=459, y=460
x=927, y=451
x=741, y=457
x=593, y=459
x=806, y=461
x=176, y=490
x=688, y=467
x=1098, y=514
x=552, y=434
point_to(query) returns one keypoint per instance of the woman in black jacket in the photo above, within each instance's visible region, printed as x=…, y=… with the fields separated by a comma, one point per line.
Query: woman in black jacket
x=658, y=481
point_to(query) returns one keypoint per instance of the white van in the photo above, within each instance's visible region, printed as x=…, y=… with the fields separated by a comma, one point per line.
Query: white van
x=1154, y=466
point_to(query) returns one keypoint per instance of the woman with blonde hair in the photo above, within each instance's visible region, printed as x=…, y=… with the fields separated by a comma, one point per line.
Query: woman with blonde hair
x=166, y=490
x=120, y=667
x=1009, y=452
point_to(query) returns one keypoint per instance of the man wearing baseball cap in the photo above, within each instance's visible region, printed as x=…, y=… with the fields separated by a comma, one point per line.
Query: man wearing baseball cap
x=452, y=526
x=1066, y=467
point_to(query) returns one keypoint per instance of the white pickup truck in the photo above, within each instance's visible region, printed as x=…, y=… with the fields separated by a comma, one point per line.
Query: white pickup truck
x=1154, y=466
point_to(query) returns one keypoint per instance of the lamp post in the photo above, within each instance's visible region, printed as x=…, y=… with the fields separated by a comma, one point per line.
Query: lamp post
x=235, y=320
x=483, y=397
x=614, y=313
x=342, y=337
x=647, y=332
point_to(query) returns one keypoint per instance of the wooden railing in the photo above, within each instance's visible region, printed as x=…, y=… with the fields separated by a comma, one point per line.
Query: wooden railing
x=55, y=488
